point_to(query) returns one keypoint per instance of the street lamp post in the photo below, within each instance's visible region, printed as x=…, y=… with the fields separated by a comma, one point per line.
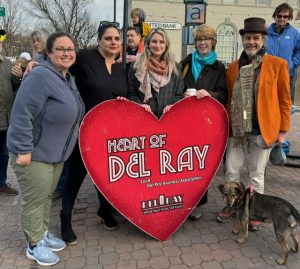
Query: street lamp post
x=115, y=8
x=127, y=6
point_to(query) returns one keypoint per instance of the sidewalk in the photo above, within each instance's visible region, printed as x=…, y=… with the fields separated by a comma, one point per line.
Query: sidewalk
x=203, y=244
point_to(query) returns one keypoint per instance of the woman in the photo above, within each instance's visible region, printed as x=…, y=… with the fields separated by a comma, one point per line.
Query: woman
x=283, y=40
x=98, y=78
x=42, y=134
x=202, y=71
x=155, y=80
x=39, y=38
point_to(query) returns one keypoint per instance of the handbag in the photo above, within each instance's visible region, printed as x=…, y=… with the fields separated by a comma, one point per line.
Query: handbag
x=277, y=156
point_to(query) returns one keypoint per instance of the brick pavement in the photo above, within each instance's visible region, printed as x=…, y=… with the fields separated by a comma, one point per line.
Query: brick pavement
x=203, y=244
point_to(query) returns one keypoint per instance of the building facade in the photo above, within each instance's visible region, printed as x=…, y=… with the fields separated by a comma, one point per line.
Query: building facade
x=226, y=16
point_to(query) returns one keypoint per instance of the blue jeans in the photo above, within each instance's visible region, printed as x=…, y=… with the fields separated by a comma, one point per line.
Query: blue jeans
x=3, y=158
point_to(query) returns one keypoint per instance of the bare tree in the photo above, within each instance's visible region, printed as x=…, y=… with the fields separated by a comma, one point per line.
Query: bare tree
x=12, y=22
x=71, y=16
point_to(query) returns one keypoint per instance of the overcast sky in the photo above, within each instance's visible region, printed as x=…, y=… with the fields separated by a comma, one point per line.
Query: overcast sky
x=104, y=10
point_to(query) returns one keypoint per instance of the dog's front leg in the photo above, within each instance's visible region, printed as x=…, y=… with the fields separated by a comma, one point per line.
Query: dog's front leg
x=236, y=227
x=244, y=232
x=244, y=221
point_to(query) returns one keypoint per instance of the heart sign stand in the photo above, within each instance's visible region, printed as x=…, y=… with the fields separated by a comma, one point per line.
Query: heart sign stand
x=154, y=172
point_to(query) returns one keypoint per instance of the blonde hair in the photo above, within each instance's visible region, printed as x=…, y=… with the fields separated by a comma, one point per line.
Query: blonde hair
x=42, y=35
x=205, y=30
x=168, y=56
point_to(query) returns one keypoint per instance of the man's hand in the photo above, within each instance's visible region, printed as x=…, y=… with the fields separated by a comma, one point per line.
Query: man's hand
x=16, y=70
x=130, y=58
x=281, y=137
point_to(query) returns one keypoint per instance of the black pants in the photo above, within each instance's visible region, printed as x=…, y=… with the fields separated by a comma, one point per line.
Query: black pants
x=73, y=181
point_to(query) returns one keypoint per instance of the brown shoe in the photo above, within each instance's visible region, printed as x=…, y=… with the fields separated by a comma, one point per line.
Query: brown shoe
x=8, y=190
x=226, y=214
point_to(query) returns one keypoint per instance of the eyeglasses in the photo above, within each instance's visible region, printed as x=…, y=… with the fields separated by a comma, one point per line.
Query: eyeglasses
x=112, y=23
x=282, y=16
x=63, y=50
x=205, y=39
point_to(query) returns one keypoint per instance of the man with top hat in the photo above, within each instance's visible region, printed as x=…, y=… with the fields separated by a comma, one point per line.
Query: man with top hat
x=259, y=108
x=8, y=84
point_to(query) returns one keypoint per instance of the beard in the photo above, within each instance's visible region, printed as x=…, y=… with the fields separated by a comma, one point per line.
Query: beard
x=251, y=51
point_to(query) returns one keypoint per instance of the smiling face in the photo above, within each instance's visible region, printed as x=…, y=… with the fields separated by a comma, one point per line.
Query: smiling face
x=157, y=46
x=252, y=43
x=282, y=18
x=133, y=39
x=204, y=45
x=110, y=42
x=63, y=53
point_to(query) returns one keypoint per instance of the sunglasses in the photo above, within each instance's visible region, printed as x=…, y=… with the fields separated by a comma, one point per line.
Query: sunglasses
x=282, y=16
x=112, y=23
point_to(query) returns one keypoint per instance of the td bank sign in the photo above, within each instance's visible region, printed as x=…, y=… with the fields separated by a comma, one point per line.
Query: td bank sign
x=165, y=25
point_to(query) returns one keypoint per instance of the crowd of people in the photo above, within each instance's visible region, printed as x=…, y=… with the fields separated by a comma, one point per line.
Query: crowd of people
x=48, y=101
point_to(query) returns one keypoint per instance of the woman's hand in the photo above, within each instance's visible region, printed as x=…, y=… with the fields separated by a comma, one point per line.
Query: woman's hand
x=167, y=108
x=30, y=66
x=122, y=98
x=147, y=108
x=24, y=159
x=202, y=93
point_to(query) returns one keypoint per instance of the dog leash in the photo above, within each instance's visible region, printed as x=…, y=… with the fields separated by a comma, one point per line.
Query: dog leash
x=251, y=190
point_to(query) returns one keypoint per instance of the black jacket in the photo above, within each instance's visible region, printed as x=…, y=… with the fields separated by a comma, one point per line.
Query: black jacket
x=212, y=78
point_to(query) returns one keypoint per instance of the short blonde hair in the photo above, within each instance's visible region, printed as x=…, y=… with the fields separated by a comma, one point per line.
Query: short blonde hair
x=203, y=31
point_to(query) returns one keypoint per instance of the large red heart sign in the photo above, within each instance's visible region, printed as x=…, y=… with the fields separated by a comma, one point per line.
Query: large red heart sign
x=154, y=172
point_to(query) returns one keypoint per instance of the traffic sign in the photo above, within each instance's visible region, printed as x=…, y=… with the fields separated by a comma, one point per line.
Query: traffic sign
x=2, y=11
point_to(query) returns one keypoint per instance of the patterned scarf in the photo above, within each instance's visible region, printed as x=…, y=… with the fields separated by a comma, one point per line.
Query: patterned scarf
x=157, y=74
x=198, y=62
x=242, y=101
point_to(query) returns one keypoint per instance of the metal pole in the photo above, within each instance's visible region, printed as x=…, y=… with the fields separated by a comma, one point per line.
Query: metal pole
x=115, y=7
x=125, y=26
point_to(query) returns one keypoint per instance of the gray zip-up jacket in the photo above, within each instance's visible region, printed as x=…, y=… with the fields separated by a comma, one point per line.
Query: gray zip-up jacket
x=46, y=115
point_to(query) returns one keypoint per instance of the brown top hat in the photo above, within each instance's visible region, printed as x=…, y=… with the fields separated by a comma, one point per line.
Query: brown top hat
x=254, y=25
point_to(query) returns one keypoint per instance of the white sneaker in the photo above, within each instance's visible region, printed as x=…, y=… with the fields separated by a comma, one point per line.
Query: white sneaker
x=52, y=242
x=196, y=213
x=42, y=255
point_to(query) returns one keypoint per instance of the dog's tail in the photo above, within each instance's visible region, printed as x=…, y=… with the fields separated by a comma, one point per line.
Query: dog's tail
x=295, y=214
